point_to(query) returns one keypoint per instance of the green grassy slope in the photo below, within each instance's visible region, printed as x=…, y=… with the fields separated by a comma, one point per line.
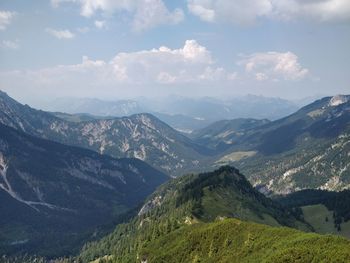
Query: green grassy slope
x=321, y=219
x=189, y=200
x=232, y=241
x=327, y=212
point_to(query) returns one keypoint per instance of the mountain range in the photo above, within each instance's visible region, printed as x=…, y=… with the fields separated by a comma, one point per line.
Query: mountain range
x=141, y=136
x=181, y=113
x=97, y=107
x=62, y=186
x=293, y=153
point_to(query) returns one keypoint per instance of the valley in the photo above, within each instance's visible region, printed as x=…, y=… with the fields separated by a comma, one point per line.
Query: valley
x=300, y=151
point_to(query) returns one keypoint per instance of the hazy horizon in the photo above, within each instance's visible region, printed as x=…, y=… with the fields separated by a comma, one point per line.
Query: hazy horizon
x=44, y=103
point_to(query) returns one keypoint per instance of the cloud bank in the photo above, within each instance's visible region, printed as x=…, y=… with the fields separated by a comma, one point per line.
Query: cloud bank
x=143, y=72
x=274, y=66
x=244, y=12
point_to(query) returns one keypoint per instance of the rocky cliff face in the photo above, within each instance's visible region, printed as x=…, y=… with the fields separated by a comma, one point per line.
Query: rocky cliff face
x=338, y=100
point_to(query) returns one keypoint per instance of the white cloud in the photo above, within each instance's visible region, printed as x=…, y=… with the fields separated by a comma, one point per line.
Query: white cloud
x=190, y=68
x=90, y=7
x=100, y=24
x=60, y=34
x=8, y=44
x=274, y=66
x=145, y=13
x=248, y=11
x=232, y=11
x=204, y=13
x=164, y=65
x=141, y=72
x=6, y=18
x=319, y=10
x=151, y=13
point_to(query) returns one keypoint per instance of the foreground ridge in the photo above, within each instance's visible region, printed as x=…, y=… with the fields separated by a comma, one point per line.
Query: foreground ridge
x=190, y=200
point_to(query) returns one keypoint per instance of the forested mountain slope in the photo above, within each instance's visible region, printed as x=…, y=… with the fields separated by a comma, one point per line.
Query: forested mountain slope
x=53, y=197
x=189, y=200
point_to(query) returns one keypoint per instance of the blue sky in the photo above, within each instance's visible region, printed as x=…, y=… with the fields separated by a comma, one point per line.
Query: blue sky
x=129, y=48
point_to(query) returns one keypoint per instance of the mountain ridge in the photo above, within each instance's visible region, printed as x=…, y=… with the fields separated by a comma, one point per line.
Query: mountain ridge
x=298, y=151
x=54, y=196
x=141, y=135
x=182, y=113
x=190, y=200
x=232, y=240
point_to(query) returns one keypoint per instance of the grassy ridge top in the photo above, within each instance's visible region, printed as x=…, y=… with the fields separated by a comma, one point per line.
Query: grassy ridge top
x=232, y=240
x=189, y=200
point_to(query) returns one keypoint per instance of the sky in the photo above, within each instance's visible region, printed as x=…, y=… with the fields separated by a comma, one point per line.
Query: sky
x=116, y=49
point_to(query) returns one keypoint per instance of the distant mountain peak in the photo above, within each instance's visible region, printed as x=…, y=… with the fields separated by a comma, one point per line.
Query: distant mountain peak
x=338, y=100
